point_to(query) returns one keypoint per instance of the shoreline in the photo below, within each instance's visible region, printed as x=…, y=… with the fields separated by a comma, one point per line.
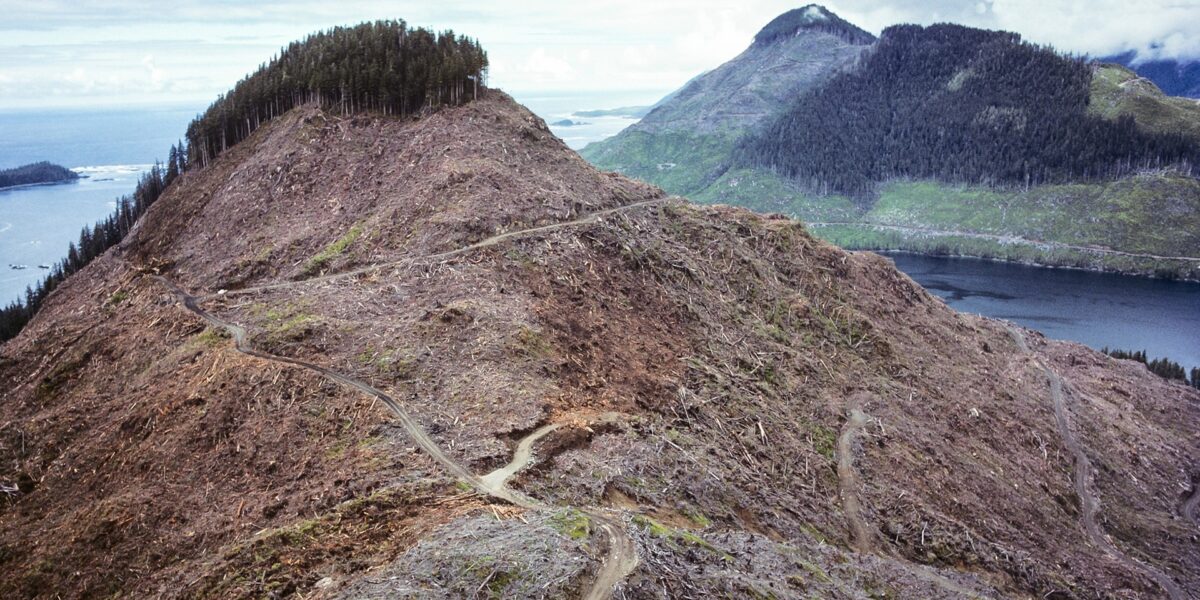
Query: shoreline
x=41, y=183
x=1025, y=263
x=1051, y=255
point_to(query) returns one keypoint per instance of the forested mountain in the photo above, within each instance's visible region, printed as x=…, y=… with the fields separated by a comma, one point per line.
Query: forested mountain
x=1173, y=77
x=39, y=172
x=942, y=139
x=685, y=141
x=381, y=67
x=961, y=105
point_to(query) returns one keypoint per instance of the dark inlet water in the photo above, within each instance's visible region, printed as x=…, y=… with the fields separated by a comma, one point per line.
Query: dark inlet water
x=1097, y=309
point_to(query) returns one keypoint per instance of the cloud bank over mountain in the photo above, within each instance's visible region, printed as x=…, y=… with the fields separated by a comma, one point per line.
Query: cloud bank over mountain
x=89, y=53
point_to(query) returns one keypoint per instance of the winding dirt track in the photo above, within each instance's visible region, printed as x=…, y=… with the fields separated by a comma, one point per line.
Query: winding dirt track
x=862, y=539
x=1088, y=499
x=621, y=556
x=491, y=241
x=622, y=553
x=848, y=482
x=520, y=458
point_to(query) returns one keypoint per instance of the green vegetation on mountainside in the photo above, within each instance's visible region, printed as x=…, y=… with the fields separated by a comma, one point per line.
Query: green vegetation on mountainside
x=1118, y=91
x=1146, y=214
x=866, y=152
x=767, y=192
x=1060, y=225
x=859, y=236
x=1151, y=214
x=679, y=162
x=685, y=141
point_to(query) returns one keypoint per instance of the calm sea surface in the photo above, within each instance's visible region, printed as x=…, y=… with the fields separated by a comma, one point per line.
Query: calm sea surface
x=555, y=107
x=111, y=148
x=1097, y=309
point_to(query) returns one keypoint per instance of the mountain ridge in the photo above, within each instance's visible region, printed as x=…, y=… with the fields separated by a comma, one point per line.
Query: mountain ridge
x=682, y=144
x=896, y=207
x=601, y=389
x=1175, y=77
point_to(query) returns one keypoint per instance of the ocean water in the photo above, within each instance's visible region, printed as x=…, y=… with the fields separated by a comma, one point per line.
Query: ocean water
x=91, y=138
x=38, y=222
x=554, y=107
x=110, y=148
x=113, y=147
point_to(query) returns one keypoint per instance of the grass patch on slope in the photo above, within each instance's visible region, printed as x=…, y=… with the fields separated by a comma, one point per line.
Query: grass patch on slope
x=763, y=191
x=322, y=259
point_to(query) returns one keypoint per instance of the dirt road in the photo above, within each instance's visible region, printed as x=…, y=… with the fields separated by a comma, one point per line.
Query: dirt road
x=520, y=458
x=1082, y=479
x=621, y=557
x=1191, y=505
x=491, y=241
x=862, y=538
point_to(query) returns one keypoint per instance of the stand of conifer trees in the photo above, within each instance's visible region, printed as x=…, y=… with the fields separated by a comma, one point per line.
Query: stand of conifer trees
x=381, y=67
x=1163, y=367
x=961, y=105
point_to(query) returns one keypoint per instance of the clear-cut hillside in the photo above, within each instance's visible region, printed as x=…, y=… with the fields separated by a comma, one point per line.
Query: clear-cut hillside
x=681, y=144
x=308, y=370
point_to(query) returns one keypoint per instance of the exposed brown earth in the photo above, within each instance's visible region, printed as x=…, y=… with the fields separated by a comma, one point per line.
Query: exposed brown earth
x=688, y=370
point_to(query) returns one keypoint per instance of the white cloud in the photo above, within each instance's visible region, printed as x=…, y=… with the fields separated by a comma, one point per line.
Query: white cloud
x=117, y=51
x=1095, y=27
x=541, y=67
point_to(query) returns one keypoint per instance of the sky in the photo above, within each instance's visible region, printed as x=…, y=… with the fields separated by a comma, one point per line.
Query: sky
x=81, y=53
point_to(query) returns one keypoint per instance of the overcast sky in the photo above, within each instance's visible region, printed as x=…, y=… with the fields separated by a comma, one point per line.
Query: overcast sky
x=125, y=52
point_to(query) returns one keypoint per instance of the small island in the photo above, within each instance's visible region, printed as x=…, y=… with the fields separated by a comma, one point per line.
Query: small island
x=628, y=112
x=569, y=123
x=36, y=174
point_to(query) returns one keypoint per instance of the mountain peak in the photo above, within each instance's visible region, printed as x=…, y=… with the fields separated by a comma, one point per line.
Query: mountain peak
x=813, y=17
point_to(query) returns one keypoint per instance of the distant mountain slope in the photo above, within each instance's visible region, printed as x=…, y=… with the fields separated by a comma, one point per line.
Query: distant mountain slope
x=685, y=140
x=895, y=148
x=1118, y=91
x=1173, y=77
x=957, y=104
